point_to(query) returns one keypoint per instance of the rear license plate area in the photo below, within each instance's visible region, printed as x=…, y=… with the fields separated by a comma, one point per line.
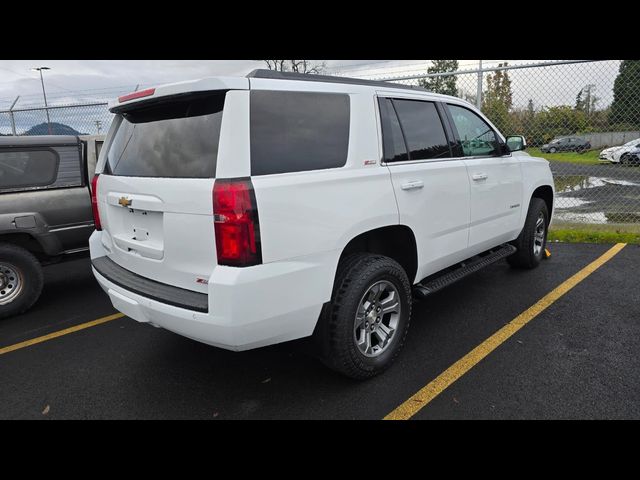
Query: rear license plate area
x=143, y=226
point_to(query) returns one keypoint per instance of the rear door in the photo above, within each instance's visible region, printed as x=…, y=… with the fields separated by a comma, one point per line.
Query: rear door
x=431, y=187
x=495, y=180
x=155, y=189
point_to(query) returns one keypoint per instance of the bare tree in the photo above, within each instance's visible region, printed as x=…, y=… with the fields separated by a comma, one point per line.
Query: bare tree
x=299, y=66
x=277, y=65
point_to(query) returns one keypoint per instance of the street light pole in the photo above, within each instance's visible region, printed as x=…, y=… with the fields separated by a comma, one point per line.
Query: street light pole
x=44, y=94
x=479, y=86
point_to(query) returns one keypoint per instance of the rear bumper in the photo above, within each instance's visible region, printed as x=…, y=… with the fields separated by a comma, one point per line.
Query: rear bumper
x=247, y=307
x=167, y=294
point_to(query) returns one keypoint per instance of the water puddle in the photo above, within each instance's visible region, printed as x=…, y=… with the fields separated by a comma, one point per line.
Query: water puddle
x=596, y=217
x=571, y=202
x=573, y=217
x=597, y=200
x=575, y=183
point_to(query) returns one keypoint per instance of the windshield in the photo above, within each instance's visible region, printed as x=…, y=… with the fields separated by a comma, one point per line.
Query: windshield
x=175, y=138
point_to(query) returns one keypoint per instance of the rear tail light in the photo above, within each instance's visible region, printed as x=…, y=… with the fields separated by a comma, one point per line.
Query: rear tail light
x=236, y=224
x=94, y=202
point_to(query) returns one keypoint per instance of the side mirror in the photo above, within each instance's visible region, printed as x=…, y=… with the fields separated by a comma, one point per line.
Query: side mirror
x=516, y=143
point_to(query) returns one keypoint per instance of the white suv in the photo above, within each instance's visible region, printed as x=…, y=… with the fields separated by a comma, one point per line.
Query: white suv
x=243, y=212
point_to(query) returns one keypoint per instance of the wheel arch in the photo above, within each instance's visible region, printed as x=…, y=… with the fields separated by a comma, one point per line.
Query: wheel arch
x=29, y=242
x=545, y=192
x=394, y=241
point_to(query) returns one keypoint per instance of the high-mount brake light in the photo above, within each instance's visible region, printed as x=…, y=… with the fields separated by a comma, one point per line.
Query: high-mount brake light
x=133, y=95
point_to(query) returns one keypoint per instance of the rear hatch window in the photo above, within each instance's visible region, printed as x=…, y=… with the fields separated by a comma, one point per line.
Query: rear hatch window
x=175, y=137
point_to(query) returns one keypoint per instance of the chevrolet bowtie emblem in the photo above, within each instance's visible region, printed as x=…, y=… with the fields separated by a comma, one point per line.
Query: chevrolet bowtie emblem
x=124, y=201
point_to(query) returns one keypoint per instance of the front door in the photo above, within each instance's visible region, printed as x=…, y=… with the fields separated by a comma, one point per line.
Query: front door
x=495, y=181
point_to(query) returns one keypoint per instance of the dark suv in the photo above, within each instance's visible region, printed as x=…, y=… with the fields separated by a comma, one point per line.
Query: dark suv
x=45, y=210
x=566, y=144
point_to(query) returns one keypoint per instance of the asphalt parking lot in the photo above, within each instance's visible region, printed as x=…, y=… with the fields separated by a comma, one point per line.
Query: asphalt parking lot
x=578, y=358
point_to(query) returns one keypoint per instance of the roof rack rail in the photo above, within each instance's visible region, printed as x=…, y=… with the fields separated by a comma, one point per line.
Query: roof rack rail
x=308, y=77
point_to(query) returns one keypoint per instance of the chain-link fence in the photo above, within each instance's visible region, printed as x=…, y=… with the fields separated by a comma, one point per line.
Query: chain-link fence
x=83, y=119
x=582, y=116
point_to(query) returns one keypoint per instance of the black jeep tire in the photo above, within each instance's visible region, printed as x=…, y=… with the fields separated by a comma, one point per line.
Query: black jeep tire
x=527, y=256
x=335, y=335
x=21, y=280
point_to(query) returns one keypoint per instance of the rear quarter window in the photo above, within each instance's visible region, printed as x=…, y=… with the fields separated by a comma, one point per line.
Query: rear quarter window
x=298, y=131
x=30, y=168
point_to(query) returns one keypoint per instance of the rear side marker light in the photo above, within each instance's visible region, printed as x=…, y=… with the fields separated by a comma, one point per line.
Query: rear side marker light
x=236, y=224
x=94, y=202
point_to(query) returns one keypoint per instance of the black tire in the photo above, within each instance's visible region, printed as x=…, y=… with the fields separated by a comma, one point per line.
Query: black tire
x=624, y=159
x=553, y=150
x=31, y=277
x=525, y=256
x=335, y=332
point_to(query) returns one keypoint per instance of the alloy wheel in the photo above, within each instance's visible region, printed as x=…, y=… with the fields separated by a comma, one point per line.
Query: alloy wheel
x=377, y=318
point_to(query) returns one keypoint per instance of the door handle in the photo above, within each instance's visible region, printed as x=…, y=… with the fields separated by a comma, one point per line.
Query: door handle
x=479, y=176
x=412, y=184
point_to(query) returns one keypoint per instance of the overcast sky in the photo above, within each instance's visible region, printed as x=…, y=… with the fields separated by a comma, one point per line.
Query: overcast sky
x=72, y=81
x=68, y=77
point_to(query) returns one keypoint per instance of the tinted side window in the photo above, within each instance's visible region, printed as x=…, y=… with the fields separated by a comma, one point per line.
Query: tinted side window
x=477, y=137
x=298, y=131
x=27, y=168
x=422, y=129
x=395, y=150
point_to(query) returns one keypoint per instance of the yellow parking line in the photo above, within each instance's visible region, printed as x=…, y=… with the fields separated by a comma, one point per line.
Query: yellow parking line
x=434, y=388
x=66, y=331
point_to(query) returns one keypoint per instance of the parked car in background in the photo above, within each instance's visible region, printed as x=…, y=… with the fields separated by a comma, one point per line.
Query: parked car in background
x=566, y=144
x=620, y=153
x=632, y=157
x=244, y=212
x=45, y=210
